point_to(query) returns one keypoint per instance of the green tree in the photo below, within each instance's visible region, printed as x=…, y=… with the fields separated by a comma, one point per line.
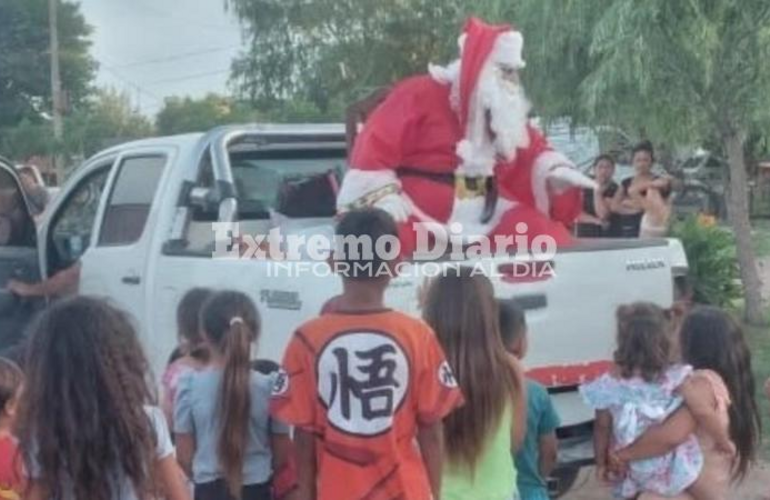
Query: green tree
x=687, y=72
x=105, y=119
x=330, y=52
x=27, y=138
x=180, y=115
x=25, y=89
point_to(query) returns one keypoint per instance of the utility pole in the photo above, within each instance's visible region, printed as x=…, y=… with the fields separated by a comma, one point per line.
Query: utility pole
x=56, y=92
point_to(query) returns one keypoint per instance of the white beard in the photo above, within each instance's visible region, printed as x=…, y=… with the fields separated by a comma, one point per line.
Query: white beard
x=509, y=110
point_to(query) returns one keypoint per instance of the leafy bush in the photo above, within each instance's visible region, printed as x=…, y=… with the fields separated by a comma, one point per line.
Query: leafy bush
x=710, y=251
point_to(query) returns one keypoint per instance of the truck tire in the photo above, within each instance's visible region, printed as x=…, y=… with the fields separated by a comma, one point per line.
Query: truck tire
x=563, y=481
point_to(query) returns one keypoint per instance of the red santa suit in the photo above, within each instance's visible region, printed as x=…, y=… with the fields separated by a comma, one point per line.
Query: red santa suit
x=430, y=139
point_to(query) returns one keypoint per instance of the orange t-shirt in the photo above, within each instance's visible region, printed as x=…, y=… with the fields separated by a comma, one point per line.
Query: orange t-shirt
x=362, y=383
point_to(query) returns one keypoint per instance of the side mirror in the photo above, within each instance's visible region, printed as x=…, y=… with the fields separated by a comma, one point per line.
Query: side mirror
x=218, y=203
x=203, y=199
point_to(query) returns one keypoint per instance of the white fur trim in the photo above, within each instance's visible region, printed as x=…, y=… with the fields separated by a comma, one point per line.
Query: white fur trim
x=476, y=161
x=508, y=50
x=448, y=75
x=468, y=212
x=544, y=165
x=445, y=74
x=565, y=177
x=358, y=183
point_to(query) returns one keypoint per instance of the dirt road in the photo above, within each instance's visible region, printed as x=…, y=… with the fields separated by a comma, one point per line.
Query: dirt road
x=756, y=487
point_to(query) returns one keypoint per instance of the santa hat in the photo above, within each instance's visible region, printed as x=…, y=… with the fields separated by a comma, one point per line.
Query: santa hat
x=480, y=44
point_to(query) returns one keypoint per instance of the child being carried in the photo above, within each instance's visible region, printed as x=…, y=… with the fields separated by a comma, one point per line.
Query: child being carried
x=643, y=389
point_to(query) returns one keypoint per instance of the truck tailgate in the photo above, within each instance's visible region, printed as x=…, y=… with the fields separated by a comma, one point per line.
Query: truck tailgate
x=570, y=304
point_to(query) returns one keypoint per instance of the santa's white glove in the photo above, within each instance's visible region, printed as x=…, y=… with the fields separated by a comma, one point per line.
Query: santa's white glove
x=563, y=177
x=395, y=205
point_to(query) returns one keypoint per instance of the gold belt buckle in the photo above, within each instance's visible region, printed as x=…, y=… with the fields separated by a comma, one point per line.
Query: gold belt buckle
x=470, y=187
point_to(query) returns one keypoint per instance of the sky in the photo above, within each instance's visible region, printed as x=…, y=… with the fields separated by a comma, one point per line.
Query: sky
x=158, y=48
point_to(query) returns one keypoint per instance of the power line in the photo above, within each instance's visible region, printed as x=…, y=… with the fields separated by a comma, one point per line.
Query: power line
x=179, y=18
x=190, y=77
x=135, y=85
x=176, y=57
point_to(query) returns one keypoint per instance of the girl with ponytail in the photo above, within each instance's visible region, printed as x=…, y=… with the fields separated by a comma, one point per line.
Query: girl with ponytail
x=226, y=439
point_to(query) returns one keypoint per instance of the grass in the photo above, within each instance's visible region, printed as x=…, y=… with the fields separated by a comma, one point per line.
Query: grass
x=759, y=338
x=761, y=236
x=759, y=343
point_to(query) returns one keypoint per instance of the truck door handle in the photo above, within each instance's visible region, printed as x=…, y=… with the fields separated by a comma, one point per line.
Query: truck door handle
x=131, y=280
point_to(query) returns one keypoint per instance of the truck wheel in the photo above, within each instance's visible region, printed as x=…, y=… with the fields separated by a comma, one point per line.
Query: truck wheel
x=563, y=481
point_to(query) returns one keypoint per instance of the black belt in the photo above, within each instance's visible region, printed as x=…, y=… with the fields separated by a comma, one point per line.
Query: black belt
x=490, y=187
x=443, y=178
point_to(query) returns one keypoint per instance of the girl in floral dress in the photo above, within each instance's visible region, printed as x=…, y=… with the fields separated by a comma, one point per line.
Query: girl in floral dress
x=641, y=391
x=722, y=385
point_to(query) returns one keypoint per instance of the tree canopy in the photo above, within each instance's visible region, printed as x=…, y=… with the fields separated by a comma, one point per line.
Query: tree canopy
x=106, y=118
x=180, y=115
x=102, y=119
x=331, y=52
x=25, y=88
x=687, y=72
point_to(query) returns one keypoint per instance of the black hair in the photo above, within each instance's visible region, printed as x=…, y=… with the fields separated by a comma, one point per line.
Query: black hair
x=353, y=229
x=11, y=378
x=513, y=321
x=265, y=366
x=644, y=147
x=175, y=355
x=712, y=340
x=189, y=322
x=604, y=157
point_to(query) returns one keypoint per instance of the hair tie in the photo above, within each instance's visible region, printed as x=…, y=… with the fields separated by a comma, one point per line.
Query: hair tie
x=237, y=320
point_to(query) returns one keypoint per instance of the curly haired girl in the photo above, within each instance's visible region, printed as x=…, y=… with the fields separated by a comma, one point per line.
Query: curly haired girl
x=89, y=428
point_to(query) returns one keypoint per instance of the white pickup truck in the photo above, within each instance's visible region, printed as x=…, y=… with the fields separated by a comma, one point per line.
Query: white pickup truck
x=139, y=219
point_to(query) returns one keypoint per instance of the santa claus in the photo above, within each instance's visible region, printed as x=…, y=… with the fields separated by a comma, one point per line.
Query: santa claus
x=455, y=149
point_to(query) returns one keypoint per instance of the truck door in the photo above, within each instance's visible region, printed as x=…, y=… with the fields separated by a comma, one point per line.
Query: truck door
x=68, y=232
x=18, y=257
x=118, y=266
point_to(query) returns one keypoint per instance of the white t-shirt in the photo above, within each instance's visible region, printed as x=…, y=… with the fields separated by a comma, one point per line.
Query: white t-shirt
x=122, y=487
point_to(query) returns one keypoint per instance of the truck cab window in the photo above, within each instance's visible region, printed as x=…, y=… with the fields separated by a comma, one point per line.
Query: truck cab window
x=17, y=229
x=297, y=184
x=273, y=188
x=131, y=200
x=72, y=226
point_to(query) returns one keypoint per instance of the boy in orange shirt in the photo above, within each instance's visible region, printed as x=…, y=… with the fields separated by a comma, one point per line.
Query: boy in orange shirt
x=361, y=383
